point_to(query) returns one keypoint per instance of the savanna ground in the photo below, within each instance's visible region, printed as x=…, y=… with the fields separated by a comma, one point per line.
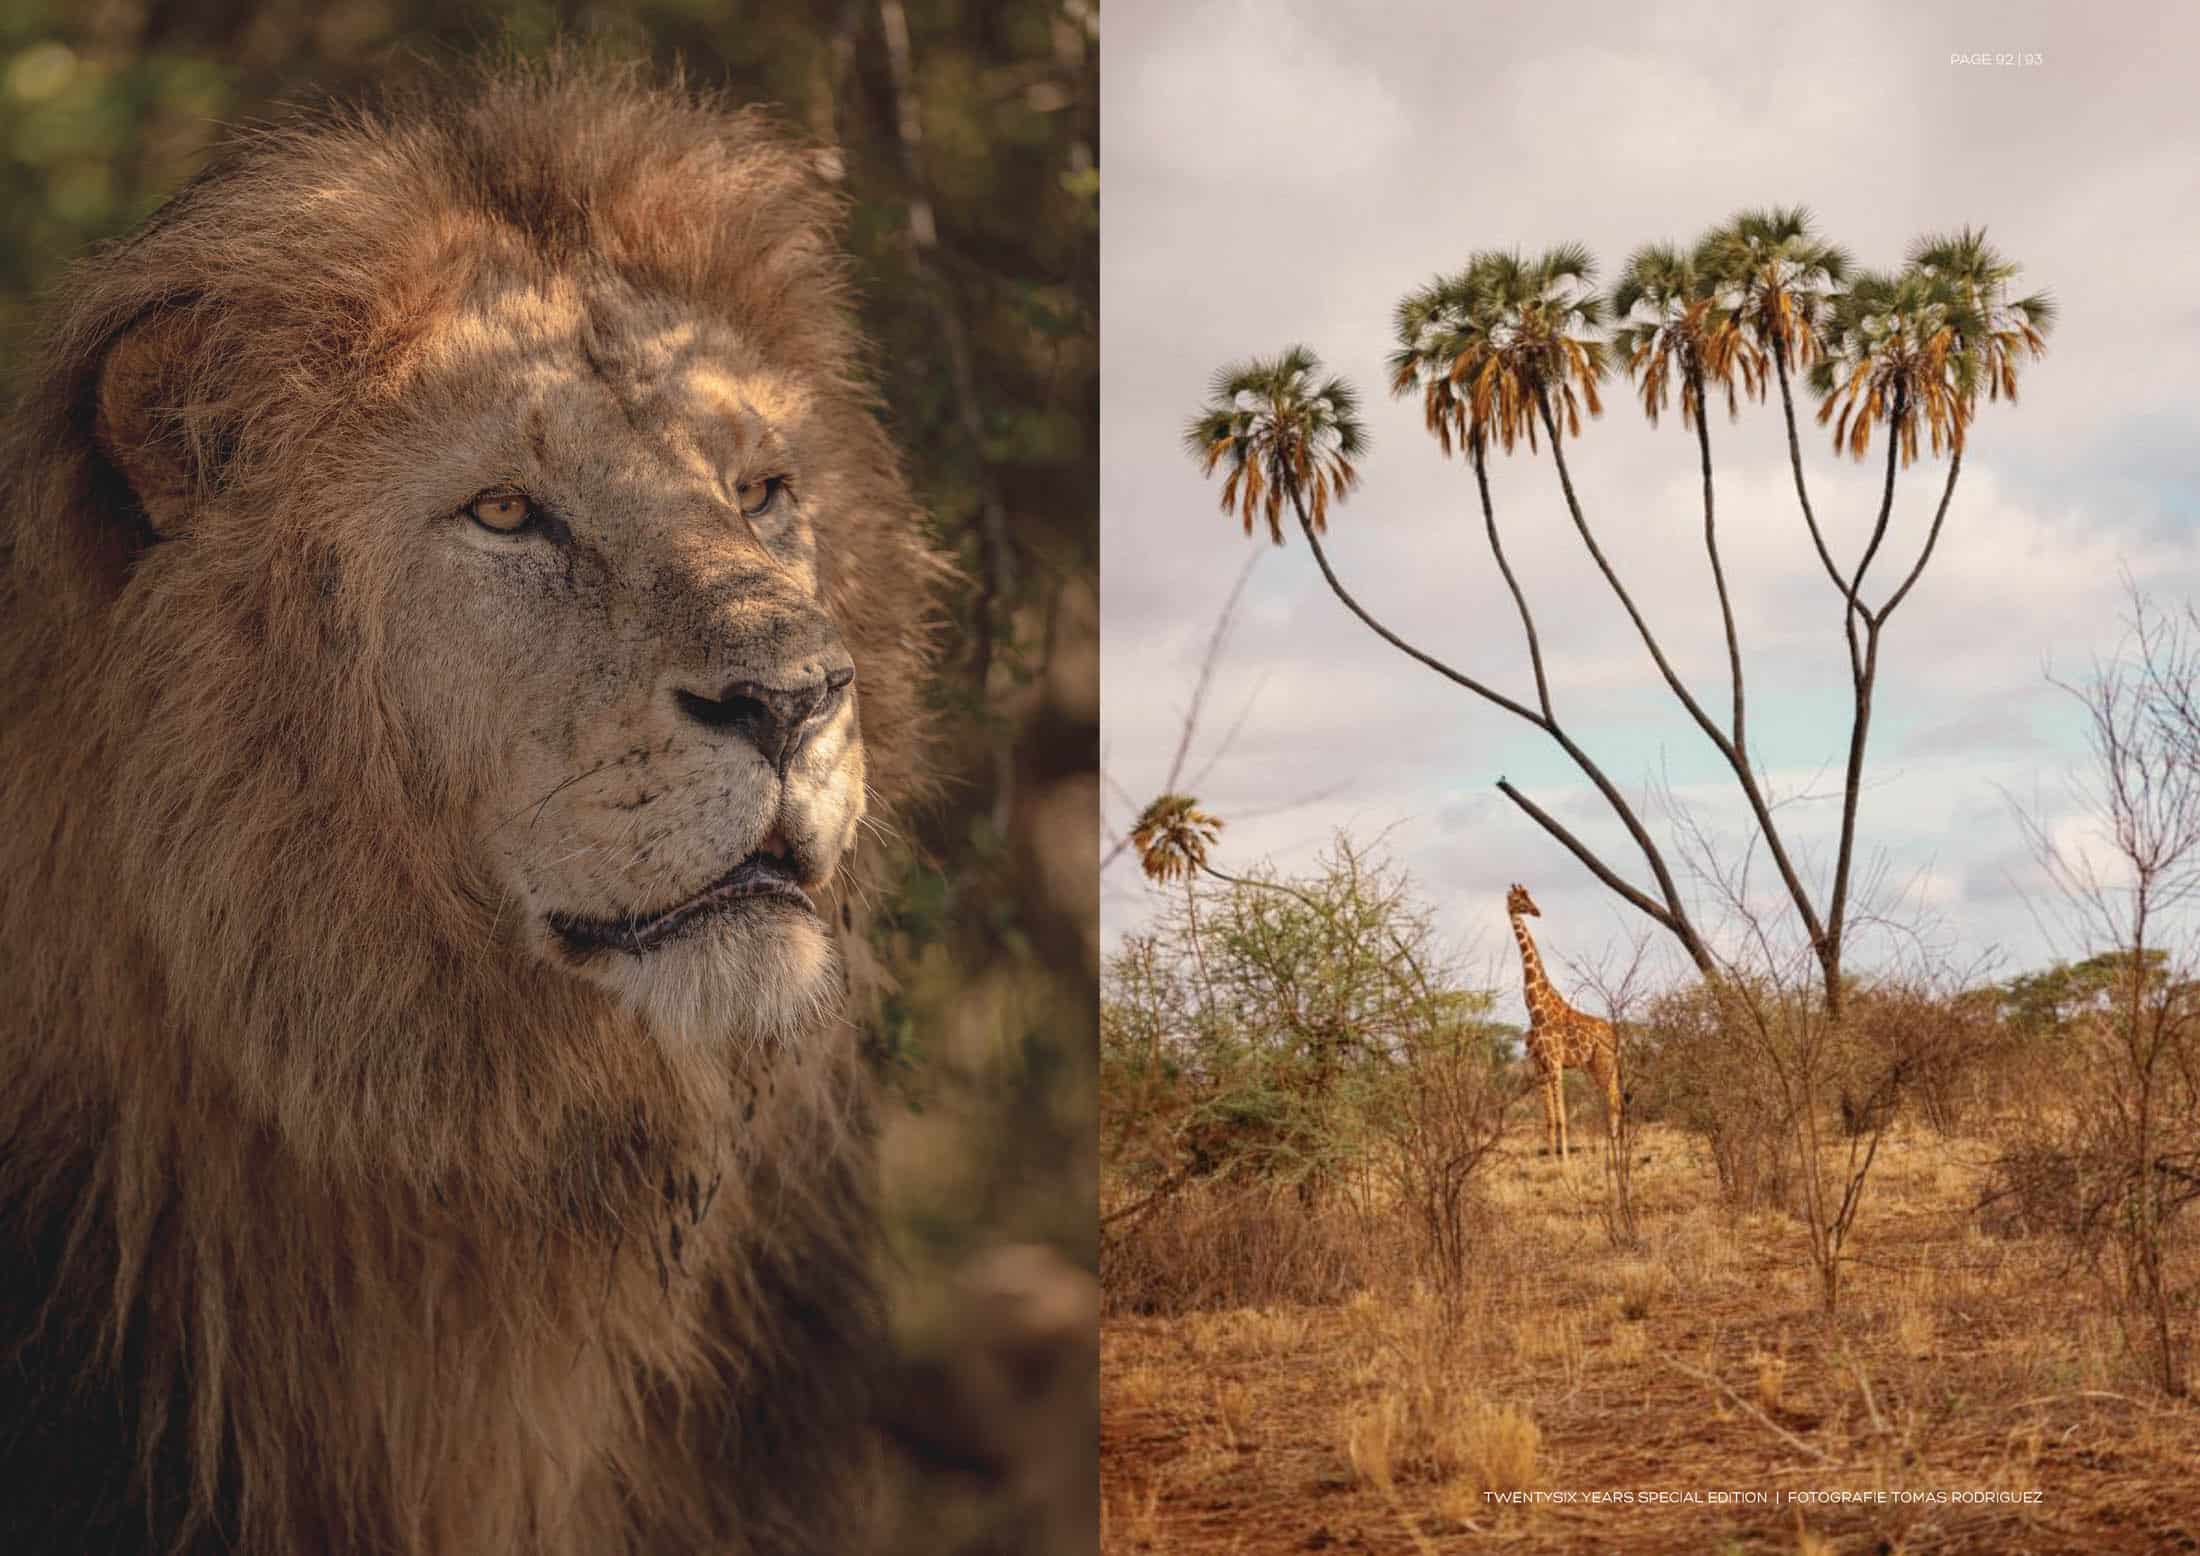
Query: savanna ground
x=1347, y=1407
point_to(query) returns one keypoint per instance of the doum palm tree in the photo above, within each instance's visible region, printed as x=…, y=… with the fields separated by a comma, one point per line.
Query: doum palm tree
x=1511, y=349
x=1777, y=276
x=1172, y=836
x=1286, y=433
x=1899, y=351
x=1671, y=325
x=1503, y=345
x=1911, y=351
x=2008, y=329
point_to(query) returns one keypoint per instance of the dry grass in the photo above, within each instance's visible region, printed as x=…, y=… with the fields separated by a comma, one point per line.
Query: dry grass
x=1389, y=1417
x=1497, y=1447
x=1641, y=1287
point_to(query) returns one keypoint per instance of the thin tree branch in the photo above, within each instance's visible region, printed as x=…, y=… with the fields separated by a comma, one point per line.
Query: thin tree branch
x=1770, y=1425
x=1886, y=511
x=1932, y=536
x=1207, y=662
x=1704, y=721
x=1718, y=572
x=1478, y=456
x=1795, y=463
x=1288, y=891
x=1735, y=760
x=1580, y=850
x=1336, y=587
x=1851, y=789
x=1675, y=915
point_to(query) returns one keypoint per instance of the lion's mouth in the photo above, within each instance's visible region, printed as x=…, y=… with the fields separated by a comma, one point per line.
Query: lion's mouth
x=762, y=878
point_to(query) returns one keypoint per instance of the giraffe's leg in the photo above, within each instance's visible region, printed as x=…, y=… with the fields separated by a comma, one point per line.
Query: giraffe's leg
x=1546, y=1085
x=1558, y=1099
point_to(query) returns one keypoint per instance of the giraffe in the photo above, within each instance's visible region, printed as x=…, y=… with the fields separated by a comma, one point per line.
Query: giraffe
x=1560, y=1038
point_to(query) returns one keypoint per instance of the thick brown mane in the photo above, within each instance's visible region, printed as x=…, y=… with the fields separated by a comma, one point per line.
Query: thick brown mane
x=329, y=1224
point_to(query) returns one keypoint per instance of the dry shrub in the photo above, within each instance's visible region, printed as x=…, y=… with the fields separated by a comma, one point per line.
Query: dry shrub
x=1137, y=1387
x=1693, y=1075
x=1914, y=1330
x=1754, y=1156
x=1216, y=1246
x=1809, y=1542
x=1251, y=1334
x=1627, y=1344
x=2032, y=1189
x=2025, y=1074
x=1441, y=1118
x=1554, y=1340
x=2132, y=1128
x=1919, y=1047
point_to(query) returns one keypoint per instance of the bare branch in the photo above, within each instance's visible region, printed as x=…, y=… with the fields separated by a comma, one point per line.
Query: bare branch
x=1932, y=537
x=1746, y=1407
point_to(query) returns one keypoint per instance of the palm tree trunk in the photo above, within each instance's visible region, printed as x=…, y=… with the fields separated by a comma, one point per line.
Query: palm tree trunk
x=1718, y=572
x=1277, y=886
x=1932, y=536
x=1864, y=659
x=1864, y=670
x=1670, y=914
x=1478, y=456
x=1795, y=462
x=1199, y=951
x=1336, y=587
x=1735, y=759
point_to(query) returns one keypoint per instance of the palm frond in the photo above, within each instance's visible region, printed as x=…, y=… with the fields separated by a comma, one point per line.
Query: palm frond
x=1172, y=836
x=1289, y=434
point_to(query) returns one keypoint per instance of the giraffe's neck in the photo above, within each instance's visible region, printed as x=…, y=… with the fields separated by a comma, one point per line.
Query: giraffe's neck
x=1535, y=988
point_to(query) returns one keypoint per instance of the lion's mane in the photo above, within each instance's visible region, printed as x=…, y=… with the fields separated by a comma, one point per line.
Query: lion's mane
x=325, y=1226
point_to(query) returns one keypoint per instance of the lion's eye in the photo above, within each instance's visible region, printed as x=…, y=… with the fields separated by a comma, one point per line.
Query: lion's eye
x=760, y=497
x=505, y=512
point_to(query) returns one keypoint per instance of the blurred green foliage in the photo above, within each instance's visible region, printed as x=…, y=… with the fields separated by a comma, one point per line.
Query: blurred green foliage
x=969, y=132
x=2050, y=999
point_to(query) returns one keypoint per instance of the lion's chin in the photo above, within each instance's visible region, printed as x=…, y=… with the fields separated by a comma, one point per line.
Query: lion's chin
x=761, y=974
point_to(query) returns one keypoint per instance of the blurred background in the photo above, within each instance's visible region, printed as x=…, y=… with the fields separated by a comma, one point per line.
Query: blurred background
x=970, y=133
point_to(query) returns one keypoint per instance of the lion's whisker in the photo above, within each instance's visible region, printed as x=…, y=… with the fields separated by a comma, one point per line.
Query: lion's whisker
x=537, y=805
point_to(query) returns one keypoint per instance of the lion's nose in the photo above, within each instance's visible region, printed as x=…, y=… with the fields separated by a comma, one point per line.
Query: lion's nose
x=774, y=719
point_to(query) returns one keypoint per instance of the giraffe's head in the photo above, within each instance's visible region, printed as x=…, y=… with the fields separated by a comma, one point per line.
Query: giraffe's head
x=1518, y=901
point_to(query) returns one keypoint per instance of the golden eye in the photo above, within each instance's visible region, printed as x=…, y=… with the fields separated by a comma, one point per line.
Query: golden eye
x=760, y=497
x=505, y=512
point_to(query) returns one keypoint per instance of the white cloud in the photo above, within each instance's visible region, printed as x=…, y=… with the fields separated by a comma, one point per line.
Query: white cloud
x=1254, y=100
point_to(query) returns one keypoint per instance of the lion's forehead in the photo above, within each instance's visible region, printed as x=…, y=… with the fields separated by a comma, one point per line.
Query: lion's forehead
x=559, y=351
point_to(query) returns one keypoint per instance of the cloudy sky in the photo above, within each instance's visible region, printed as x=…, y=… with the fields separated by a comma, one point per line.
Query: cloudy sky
x=1281, y=171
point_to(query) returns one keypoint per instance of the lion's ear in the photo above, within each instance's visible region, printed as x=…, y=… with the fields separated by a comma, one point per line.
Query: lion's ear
x=150, y=385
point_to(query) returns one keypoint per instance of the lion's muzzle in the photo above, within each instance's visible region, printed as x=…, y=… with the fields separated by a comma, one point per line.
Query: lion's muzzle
x=775, y=720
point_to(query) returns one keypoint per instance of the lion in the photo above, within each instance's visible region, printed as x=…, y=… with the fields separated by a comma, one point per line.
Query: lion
x=459, y=608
